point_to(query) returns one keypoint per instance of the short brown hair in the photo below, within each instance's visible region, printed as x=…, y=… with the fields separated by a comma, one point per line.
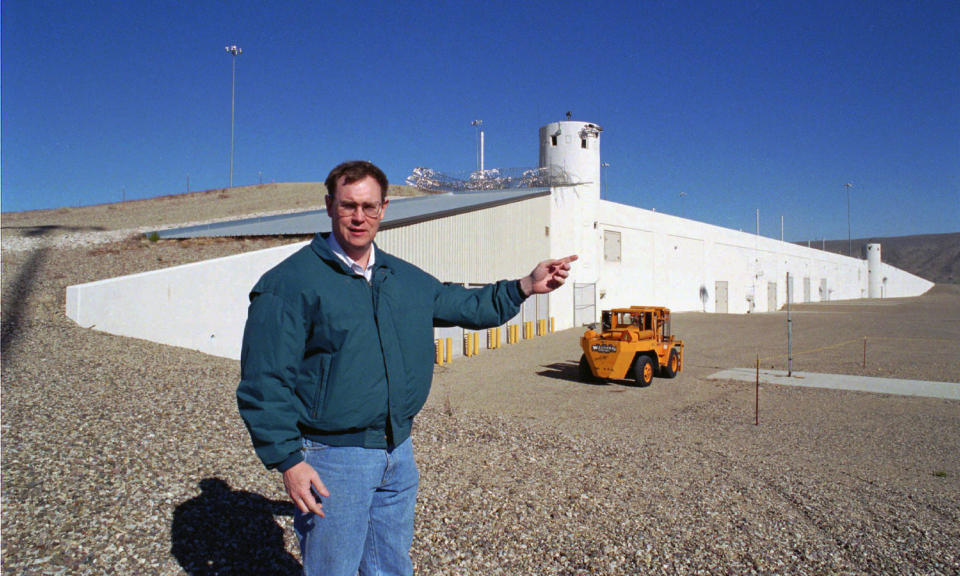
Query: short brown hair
x=353, y=171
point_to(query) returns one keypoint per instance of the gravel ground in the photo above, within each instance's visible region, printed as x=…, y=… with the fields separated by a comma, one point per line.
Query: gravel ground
x=121, y=456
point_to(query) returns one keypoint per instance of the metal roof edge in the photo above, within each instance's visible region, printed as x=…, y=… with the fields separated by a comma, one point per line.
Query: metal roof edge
x=461, y=203
x=426, y=217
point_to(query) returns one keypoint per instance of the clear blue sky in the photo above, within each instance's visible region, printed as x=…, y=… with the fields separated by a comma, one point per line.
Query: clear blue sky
x=739, y=105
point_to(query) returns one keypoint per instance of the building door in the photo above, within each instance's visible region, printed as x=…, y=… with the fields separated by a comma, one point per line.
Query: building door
x=806, y=289
x=528, y=310
x=721, y=291
x=543, y=307
x=824, y=293
x=771, y=296
x=584, y=304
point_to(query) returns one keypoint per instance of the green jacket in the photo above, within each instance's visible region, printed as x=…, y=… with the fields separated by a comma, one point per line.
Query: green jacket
x=330, y=356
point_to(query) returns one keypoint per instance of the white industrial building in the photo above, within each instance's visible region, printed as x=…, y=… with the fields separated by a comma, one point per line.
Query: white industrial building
x=627, y=256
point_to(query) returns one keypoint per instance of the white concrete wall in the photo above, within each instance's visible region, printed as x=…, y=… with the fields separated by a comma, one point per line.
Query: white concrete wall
x=482, y=246
x=665, y=261
x=674, y=262
x=201, y=306
x=899, y=284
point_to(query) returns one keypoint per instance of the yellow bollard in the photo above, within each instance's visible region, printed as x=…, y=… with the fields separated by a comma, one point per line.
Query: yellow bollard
x=449, y=343
x=468, y=345
x=438, y=352
x=476, y=344
x=541, y=327
x=551, y=324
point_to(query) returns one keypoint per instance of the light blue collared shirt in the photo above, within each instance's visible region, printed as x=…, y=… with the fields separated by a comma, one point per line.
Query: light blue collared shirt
x=351, y=264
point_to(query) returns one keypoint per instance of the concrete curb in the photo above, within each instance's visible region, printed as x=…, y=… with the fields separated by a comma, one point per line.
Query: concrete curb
x=948, y=390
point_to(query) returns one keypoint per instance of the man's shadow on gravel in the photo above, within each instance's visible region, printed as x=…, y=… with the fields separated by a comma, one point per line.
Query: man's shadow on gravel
x=224, y=532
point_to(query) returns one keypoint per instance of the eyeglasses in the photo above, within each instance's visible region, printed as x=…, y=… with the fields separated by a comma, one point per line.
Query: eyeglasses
x=347, y=209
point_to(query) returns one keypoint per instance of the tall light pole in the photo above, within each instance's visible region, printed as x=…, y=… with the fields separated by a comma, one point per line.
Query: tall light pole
x=479, y=125
x=849, y=237
x=603, y=176
x=234, y=51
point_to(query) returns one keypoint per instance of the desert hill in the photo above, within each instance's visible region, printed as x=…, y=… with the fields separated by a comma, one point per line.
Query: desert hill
x=177, y=209
x=935, y=257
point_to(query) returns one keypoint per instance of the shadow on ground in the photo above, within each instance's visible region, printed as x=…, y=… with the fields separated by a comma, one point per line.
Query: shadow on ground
x=227, y=532
x=568, y=371
x=16, y=297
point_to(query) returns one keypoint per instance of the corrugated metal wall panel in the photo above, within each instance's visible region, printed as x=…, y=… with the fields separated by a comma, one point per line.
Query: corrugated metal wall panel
x=477, y=247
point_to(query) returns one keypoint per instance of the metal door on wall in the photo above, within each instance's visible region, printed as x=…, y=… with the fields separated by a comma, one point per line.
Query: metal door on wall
x=528, y=310
x=584, y=304
x=771, y=296
x=543, y=307
x=721, y=292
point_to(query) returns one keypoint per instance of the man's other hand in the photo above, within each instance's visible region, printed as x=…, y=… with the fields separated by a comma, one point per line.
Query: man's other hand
x=547, y=276
x=298, y=481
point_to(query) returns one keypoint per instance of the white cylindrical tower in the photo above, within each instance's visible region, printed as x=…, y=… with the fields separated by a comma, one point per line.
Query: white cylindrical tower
x=570, y=151
x=874, y=272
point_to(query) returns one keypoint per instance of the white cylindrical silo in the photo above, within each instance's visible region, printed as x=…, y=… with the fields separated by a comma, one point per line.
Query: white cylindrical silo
x=572, y=150
x=874, y=272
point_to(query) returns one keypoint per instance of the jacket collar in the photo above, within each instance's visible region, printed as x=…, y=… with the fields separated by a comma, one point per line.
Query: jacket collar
x=322, y=249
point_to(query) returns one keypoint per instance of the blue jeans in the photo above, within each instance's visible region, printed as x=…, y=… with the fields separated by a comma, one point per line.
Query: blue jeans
x=368, y=523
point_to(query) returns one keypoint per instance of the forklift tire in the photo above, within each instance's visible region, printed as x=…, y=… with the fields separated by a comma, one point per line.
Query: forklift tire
x=586, y=375
x=672, y=366
x=643, y=371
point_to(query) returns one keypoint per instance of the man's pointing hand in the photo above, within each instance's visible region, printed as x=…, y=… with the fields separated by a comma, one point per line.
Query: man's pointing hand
x=547, y=276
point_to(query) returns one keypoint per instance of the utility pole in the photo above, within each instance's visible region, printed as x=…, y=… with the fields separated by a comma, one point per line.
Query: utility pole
x=234, y=51
x=479, y=125
x=849, y=237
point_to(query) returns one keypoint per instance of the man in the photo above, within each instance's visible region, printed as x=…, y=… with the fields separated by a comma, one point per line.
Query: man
x=337, y=360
